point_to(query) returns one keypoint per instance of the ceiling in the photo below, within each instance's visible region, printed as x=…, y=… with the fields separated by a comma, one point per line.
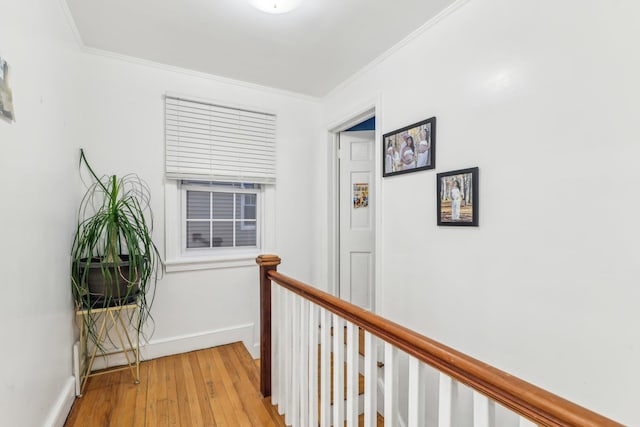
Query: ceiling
x=310, y=50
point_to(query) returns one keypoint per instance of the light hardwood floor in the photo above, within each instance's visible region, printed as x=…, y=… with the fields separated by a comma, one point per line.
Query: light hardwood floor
x=212, y=387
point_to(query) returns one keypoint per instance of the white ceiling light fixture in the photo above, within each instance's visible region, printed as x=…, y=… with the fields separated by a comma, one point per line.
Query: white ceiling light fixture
x=275, y=6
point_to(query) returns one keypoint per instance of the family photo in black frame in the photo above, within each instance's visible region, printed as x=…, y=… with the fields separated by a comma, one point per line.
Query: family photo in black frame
x=410, y=149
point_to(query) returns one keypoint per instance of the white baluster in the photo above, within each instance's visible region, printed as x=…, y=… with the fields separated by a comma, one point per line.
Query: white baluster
x=313, y=365
x=481, y=410
x=526, y=423
x=286, y=347
x=275, y=344
x=282, y=350
x=295, y=361
x=304, y=362
x=338, y=371
x=416, y=396
x=370, y=380
x=444, y=401
x=289, y=415
x=352, y=375
x=390, y=385
x=325, y=369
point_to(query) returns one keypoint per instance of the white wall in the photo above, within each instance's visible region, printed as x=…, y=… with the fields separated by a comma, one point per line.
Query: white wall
x=39, y=195
x=123, y=121
x=543, y=97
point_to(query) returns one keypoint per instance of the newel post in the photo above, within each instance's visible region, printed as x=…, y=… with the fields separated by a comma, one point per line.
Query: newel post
x=266, y=263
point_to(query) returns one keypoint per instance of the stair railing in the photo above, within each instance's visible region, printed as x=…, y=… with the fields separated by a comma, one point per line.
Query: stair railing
x=290, y=371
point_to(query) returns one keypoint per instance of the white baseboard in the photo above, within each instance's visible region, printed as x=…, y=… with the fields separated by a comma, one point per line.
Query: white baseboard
x=186, y=343
x=255, y=353
x=60, y=410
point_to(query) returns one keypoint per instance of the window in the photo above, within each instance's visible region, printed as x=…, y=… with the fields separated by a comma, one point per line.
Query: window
x=220, y=215
x=220, y=170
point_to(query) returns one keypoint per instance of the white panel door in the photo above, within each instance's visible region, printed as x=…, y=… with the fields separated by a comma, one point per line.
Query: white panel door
x=357, y=217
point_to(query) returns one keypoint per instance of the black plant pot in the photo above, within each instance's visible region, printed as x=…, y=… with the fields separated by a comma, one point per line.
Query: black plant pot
x=108, y=290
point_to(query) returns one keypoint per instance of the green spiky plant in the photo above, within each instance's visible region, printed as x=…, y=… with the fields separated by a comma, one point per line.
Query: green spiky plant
x=113, y=245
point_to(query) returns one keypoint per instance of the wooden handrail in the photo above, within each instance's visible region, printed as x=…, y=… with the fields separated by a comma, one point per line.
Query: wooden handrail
x=528, y=400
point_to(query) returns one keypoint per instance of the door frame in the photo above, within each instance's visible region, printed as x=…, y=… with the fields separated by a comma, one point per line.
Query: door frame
x=366, y=111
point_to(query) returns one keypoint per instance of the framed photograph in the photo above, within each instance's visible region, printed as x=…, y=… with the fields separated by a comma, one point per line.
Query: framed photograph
x=457, y=193
x=410, y=149
x=6, y=99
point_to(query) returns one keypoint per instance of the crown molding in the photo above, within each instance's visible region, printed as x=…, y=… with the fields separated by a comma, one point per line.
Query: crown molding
x=198, y=74
x=395, y=48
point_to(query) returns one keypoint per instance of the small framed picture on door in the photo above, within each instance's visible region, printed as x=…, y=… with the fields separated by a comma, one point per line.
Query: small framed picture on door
x=409, y=149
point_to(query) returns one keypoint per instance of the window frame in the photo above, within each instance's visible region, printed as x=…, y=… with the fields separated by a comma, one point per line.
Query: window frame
x=177, y=260
x=213, y=187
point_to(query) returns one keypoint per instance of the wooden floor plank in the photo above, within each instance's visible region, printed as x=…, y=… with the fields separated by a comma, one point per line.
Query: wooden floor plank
x=171, y=385
x=232, y=394
x=140, y=409
x=251, y=367
x=124, y=415
x=188, y=412
x=244, y=380
x=153, y=385
x=218, y=398
x=197, y=389
x=81, y=412
x=104, y=388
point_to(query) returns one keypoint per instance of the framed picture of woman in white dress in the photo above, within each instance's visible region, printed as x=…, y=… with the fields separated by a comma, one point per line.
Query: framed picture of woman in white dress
x=409, y=149
x=6, y=101
x=457, y=193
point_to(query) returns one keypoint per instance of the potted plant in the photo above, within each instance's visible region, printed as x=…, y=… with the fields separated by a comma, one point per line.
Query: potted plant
x=114, y=259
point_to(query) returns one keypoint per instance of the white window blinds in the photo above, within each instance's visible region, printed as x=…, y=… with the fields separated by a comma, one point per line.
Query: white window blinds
x=216, y=143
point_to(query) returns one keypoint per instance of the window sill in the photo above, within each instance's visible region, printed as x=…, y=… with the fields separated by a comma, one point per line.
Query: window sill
x=192, y=263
